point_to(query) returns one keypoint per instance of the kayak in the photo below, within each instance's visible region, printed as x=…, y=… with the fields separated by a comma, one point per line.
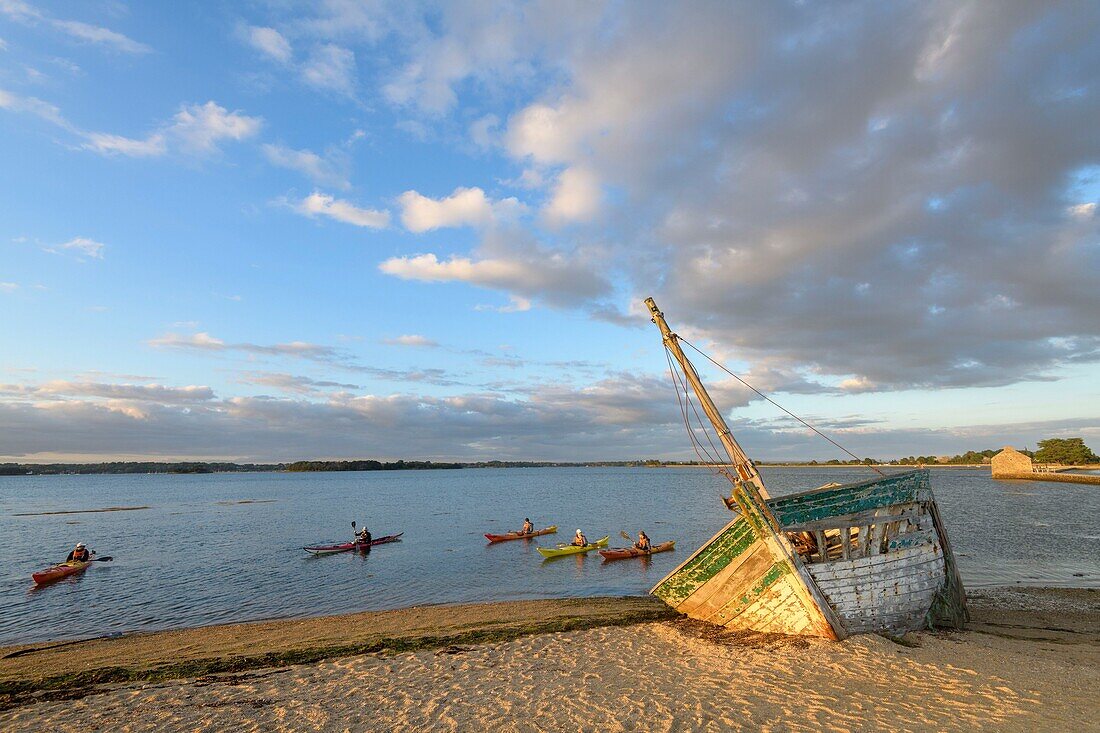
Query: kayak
x=61, y=570
x=520, y=536
x=572, y=549
x=348, y=546
x=618, y=553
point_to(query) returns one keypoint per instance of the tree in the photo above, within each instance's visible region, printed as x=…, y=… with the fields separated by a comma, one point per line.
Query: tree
x=1065, y=450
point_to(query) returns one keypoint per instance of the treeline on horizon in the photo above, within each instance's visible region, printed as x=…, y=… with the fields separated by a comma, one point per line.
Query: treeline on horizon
x=1069, y=451
x=47, y=469
x=367, y=465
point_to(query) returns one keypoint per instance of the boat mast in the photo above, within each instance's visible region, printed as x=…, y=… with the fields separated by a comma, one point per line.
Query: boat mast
x=747, y=478
x=750, y=496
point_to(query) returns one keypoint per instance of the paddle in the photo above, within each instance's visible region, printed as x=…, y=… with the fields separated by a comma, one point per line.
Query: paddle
x=105, y=558
x=630, y=539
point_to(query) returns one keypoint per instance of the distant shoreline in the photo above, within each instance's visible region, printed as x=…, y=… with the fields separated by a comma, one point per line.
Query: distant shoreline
x=831, y=465
x=187, y=468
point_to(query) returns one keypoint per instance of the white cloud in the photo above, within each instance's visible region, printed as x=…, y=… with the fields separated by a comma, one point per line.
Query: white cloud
x=200, y=128
x=411, y=340
x=201, y=340
x=32, y=105
x=84, y=246
x=331, y=68
x=292, y=383
x=515, y=304
x=1082, y=211
x=553, y=277
x=321, y=204
x=269, y=42
x=330, y=170
x=576, y=197
x=108, y=144
x=537, y=132
x=483, y=131
x=102, y=36
x=7, y=287
x=195, y=129
x=22, y=12
x=464, y=207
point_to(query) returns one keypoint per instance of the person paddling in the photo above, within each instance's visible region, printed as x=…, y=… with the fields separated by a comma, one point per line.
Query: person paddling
x=363, y=538
x=643, y=542
x=528, y=528
x=79, y=554
x=579, y=539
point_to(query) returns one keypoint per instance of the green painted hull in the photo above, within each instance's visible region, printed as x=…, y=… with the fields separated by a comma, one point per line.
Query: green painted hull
x=734, y=580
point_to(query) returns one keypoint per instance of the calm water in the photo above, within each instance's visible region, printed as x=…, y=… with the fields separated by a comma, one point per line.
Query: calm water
x=197, y=557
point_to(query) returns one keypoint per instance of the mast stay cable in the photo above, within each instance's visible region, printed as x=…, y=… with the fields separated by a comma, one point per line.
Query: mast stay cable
x=759, y=393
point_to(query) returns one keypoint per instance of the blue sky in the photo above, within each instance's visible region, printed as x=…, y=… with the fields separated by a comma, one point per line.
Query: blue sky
x=370, y=229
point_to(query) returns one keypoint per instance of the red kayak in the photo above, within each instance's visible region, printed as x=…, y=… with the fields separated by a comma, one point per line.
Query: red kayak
x=520, y=536
x=61, y=570
x=618, y=553
x=348, y=546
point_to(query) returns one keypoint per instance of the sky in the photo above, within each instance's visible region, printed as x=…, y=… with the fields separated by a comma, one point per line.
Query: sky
x=272, y=231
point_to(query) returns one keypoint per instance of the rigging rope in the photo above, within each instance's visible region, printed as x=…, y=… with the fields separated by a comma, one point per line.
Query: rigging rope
x=768, y=399
x=711, y=462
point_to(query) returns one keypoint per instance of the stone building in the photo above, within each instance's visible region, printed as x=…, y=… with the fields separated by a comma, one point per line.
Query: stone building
x=1010, y=461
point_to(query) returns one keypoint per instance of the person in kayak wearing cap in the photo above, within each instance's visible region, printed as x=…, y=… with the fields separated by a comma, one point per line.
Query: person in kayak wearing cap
x=79, y=554
x=528, y=528
x=643, y=542
x=579, y=539
x=363, y=537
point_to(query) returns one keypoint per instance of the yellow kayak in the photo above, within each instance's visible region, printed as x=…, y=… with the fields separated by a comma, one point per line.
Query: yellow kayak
x=573, y=549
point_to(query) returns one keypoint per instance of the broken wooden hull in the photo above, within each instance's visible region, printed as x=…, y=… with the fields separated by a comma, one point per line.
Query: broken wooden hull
x=871, y=557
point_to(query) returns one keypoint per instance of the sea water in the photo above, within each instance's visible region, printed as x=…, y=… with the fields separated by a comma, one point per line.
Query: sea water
x=219, y=548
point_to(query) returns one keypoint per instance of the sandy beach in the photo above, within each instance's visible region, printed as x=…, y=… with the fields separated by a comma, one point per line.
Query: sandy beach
x=1029, y=661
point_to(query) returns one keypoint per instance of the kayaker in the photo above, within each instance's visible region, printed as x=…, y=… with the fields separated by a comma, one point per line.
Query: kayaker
x=364, y=537
x=79, y=554
x=579, y=539
x=528, y=528
x=643, y=542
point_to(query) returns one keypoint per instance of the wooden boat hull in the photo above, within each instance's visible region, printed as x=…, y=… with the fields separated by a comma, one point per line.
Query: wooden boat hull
x=875, y=551
x=520, y=536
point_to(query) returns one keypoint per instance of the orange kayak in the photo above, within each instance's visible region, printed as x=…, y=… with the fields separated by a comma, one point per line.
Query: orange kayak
x=520, y=536
x=618, y=553
x=62, y=570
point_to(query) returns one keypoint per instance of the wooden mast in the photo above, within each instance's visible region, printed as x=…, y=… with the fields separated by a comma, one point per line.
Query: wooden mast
x=750, y=494
x=742, y=464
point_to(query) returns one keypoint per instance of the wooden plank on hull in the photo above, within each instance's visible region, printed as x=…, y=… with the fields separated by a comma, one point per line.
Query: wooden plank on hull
x=707, y=562
x=809, y=506
x=891, y=562
x=732, y=580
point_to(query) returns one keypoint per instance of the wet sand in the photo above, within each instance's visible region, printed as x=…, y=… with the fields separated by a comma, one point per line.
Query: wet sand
x=1029, y=661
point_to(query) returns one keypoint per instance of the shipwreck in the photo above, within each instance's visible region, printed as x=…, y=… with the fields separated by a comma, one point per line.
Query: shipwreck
x=867, y=557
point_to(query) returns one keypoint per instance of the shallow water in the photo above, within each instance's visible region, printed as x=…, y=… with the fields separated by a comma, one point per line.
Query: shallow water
x=197, y=556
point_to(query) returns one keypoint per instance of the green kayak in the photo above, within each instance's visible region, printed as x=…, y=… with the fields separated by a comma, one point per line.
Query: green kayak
x=572, y=549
